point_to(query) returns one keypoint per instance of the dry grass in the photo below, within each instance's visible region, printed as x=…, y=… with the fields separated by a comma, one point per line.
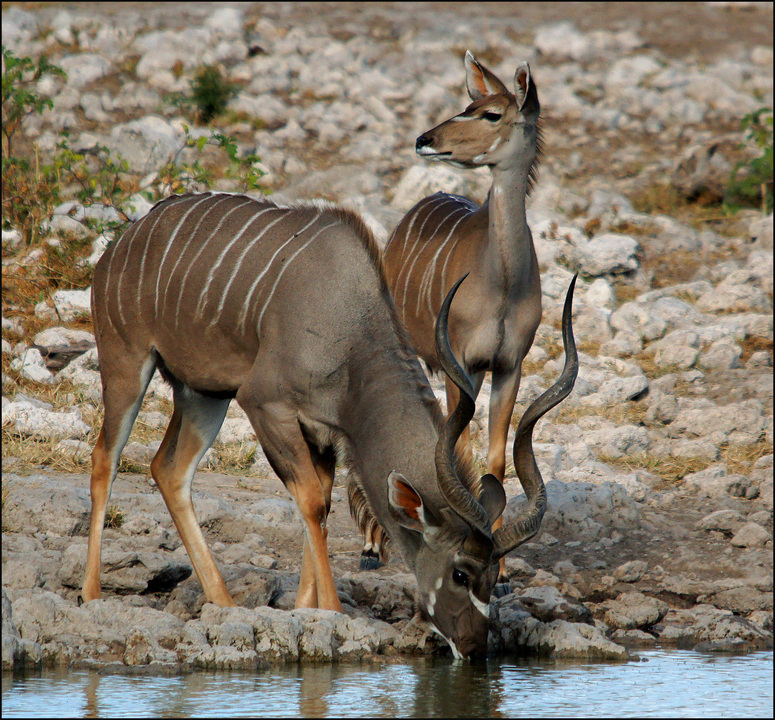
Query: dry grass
x=739, y=460
x=114, y=517
x=57, y=268
x=754, y=343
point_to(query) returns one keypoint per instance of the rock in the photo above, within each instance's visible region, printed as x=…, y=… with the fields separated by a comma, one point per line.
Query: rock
x=607, y=254
x=146, y=143
x=750, y=535
x=631, y=571
x=419, y=181
x=726, y=520
x=631, y=610
x=125, y=570
x=32, y=367
x=734, y=298
x=514, y=630
x=547, y=604
x=31, y=421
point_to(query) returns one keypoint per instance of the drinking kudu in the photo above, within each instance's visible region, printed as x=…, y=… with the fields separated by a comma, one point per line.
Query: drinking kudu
x=286, y=309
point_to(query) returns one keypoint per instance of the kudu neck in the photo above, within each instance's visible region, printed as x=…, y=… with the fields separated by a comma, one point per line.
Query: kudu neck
x=510, y=249
x=391, y=427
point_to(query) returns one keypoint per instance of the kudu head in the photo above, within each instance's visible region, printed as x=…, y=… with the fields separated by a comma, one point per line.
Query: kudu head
x=453, y=550
x=498, y=129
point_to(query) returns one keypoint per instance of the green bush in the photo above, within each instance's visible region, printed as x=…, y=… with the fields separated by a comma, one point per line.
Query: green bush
x=750, y=183
x=31, y=190
x=211, y=93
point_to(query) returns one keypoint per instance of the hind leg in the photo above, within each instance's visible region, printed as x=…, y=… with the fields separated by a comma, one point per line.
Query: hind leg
x=194, y=425
x=370, y=555
x=124, y=382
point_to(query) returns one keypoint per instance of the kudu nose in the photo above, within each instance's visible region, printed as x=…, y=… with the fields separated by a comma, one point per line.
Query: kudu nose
x=423, y=141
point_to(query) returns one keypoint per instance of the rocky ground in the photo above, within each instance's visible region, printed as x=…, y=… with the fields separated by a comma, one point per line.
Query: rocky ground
x=659, y=465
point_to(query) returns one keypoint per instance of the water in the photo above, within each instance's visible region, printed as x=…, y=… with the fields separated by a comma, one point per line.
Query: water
x=662, y=684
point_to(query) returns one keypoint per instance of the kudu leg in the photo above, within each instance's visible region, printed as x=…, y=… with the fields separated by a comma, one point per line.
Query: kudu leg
x=453, y=396
x=325, y=466
x=308, y=479
x=195, y=423
x=125, y=382
x=502, y=398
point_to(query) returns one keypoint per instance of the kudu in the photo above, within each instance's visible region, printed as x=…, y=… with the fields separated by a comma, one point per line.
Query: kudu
x=494, y=320
x=286, y=309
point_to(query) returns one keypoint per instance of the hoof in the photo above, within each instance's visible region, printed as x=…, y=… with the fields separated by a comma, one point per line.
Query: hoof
x=501, y=588
x=370, y=560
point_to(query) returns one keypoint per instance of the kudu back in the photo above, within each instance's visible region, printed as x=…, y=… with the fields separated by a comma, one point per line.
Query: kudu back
x=286, y=309
x=493, y=323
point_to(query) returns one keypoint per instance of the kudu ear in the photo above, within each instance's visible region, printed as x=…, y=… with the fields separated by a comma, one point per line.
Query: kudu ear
x=525, y=91
x=405, y=504
x=480, y=82
x=492, y=496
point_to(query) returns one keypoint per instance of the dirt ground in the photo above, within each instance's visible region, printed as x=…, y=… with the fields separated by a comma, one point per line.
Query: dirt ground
x=692, y=32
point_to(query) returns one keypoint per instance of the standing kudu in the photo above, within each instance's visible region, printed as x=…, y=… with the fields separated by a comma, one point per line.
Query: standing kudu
x=286, y=309
x=494, y=319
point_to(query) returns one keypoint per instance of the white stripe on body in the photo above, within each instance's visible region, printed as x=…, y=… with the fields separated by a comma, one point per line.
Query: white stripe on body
x=199, y=252
x=167, y=249
x=417, y=251
x=443, y=273
x=285, y=267
x=141, y=280
x=203, y=298
x=159, y=216
x=125, y=239
x=187, y=242
x=407, y=235
x=430, y=271
x=251, y=292
x=127, y=236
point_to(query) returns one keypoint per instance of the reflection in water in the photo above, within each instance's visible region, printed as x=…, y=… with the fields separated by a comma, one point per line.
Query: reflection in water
x=665, y=684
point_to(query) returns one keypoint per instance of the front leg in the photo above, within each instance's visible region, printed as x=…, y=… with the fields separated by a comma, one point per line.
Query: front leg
x=308, y=476
x=453, y=396
x=502, y=398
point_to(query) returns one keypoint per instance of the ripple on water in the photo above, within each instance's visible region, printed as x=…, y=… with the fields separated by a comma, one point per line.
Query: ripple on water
x=663, y=684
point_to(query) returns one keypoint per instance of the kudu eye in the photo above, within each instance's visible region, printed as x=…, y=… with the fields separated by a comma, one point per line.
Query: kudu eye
x=491, y=116
x=460, y=577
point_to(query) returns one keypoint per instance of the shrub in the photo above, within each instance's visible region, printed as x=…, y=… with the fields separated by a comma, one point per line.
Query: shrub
x=211, y=93
x=751, y=182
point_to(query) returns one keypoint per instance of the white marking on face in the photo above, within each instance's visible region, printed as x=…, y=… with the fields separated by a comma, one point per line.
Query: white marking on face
x=495, y=144
x=431, y=602
x=483, y=608
x=463, y=118
x=455, y=652
x=439, y=582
